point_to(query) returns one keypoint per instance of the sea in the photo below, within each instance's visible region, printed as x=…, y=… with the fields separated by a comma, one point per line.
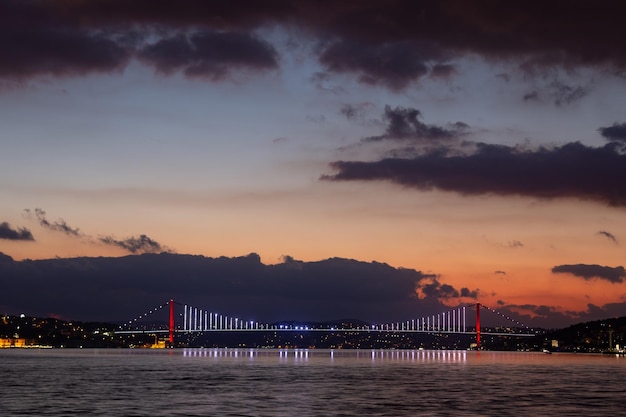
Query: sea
x=314, y=382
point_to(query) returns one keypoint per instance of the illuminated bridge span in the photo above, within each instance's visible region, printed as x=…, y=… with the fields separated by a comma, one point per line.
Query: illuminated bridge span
x=198, y=320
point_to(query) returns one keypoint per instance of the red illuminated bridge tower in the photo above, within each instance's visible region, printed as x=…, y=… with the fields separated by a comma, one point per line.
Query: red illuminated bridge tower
x=171, y=322
x=477, y=325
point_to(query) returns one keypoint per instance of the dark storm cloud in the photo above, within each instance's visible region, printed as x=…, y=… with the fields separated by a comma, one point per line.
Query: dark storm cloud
x=7, y=232
x=609, y=236
x=140, y=244
x=209, y=54
x=61, y=39
x=558, y=31
x=534, y=34
x=616, y=132
x=57, y=226
x=435, y=289
x=5, y=258
x=393, y=65
x=120, y=288
x=466, y=292
x=391, y=44
x=404, y=123
x=572, y=170
x=615, y=275
x=180, y=13
x=30, y=51
x=37, y=38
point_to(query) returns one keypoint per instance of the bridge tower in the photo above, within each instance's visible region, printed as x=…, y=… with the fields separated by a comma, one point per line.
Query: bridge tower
x=477, y=325
x=171, y=322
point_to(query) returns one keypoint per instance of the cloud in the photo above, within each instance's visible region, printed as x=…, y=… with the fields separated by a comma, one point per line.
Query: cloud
x=117, y=289
x=564, y=94
x=5, y=258
x=394, y=65
x=498, y=30
x=554, y=317
x=141, y=244
x=390, y=44
x=560, y=93
x=615, y=275
x=355, y=111
x=466, y=292
x=45, y=41
x=547, y=315
x=57, y=226
x=378, y=32
x=531, y=96
x=616, y=132
x=609, y=236
x=515, y=244
x=572, y=170
x=40, y=51
x=443, y=71
x=210, y=54
x=431, y=287
x=500, y=272
x=6, y=232
x=404, y=123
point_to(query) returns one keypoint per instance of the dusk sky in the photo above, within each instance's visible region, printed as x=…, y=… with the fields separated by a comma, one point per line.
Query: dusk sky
x=481, y=144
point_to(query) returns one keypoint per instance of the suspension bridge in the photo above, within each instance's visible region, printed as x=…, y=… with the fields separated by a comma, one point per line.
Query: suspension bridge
x=459, y=320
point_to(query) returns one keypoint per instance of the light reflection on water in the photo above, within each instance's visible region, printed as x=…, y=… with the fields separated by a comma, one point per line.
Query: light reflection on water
x=301, y=382
x=304, y=354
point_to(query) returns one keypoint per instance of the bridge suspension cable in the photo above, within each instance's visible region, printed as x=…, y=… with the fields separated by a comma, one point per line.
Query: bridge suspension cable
x=197, y=320
x=451, y=321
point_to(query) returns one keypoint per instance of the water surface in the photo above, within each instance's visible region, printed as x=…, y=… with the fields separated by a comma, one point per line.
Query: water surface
x=240, y=382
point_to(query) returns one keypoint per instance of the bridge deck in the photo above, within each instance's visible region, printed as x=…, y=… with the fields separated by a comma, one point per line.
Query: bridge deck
x=322, y=330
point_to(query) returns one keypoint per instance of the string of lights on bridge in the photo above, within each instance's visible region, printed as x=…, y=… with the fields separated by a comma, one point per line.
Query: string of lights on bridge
x=132, y=321
x=511, y=319
x=200, y=320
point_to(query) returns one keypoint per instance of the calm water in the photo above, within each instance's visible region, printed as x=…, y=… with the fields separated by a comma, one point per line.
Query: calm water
x=237, y=382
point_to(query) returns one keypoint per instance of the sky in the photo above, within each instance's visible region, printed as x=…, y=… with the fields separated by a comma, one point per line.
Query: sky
x=480, y=146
